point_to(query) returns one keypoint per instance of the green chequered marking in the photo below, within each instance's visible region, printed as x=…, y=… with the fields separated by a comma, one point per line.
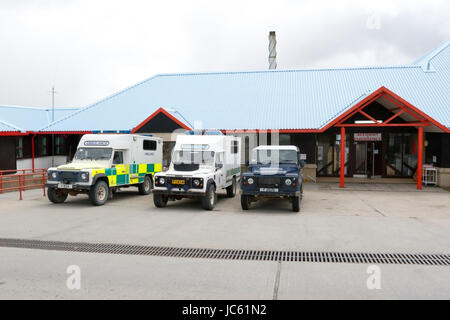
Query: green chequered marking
x=122, y=179
x=150, y=167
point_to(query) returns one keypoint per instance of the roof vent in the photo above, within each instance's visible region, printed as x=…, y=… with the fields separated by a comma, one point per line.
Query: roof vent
x=272, y=50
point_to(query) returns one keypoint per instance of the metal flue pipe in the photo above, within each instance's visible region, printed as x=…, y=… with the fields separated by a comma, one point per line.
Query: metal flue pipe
x=272, y=50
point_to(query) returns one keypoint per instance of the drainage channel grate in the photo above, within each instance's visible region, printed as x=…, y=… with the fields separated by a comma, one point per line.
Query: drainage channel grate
x=232, y=254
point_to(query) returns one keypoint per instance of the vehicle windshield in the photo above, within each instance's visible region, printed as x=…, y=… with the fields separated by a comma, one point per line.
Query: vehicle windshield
x=274, y=156
x=193, y=157
x=93, y=154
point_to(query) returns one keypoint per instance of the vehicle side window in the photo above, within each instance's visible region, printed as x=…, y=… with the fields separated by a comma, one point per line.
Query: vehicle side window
x=149, y=145
x=118, y=157
x=219, y=160
x=234, y=146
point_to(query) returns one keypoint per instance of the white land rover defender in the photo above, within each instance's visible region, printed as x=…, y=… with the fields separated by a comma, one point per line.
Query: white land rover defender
x=104, y=163
x=202, y=163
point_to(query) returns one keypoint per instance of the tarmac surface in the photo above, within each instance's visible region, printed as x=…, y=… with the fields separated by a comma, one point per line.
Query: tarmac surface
x=362, y=218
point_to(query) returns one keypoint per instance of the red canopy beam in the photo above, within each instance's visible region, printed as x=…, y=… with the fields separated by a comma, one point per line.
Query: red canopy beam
x=408, y=124
x=394, y=116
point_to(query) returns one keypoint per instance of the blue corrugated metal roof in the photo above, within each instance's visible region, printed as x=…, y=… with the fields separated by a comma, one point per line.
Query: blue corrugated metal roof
x=30, y=118
x=269, y=99
x=6, y=127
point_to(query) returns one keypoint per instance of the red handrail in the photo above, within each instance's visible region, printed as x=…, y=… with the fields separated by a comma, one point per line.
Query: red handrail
x=35, y=178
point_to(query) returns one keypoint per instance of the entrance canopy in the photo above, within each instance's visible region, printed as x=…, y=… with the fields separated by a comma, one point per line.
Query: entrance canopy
x=383, y=109
x=404, y=114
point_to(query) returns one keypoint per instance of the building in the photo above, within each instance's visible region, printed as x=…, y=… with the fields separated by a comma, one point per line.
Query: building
x=390, y=119
x=20, y=145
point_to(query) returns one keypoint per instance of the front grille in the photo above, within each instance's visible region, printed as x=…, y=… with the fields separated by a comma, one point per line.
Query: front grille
x=234, y=254
x=268, y=181
x=69, y=176
x=186, y=166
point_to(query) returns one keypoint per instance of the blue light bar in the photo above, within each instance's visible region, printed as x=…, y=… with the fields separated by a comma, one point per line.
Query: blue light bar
x=111, y=131
x=204, y=132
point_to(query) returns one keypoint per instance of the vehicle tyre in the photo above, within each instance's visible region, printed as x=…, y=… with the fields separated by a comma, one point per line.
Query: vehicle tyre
x=145, y=187
x=210, y=199
x=245, y=203
x=159, y=200
x=56, y=195
x=231, y=190
x=296, y=204
x=99, y=193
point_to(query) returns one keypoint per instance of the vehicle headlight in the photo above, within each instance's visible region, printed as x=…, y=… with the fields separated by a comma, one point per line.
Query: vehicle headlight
x=161, y=180
x=85, y=176
x=196, y=182
x=54, y=175
x=250, y=181
x=288, y=182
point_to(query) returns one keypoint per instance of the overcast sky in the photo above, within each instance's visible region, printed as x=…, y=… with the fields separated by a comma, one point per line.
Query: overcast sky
x=91, y=49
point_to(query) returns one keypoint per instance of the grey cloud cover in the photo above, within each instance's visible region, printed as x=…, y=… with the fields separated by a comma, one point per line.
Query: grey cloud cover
x=90, y=49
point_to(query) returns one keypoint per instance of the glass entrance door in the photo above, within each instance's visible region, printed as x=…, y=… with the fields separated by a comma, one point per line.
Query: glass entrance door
x=368, y=159
x=361, y=160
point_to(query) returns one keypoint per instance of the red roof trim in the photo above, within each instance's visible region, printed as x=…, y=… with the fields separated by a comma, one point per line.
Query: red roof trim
x=12, y=133
x=154, y=114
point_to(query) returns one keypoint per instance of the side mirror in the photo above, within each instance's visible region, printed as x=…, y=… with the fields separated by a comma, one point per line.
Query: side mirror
x=302, y=163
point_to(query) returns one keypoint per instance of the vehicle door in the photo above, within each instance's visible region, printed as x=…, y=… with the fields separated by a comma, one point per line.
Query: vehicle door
x=121, y=170
x=220, y=170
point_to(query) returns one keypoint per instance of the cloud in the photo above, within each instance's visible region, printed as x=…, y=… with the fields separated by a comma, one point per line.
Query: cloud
x=90, y=49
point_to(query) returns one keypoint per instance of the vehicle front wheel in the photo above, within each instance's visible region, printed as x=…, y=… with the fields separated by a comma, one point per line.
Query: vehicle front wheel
x=99, y=193
x=231, y=190
x=56, y=195
x=296, y=204
x=159, y=200
x=245, y=203
x=209, y=200
x=146, y=186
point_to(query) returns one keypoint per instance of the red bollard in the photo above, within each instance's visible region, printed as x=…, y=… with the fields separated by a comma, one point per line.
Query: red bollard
x=43, y=181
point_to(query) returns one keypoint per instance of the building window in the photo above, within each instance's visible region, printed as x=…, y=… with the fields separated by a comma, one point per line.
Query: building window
x=42, y=145
x=234, y=146
x=60, y=145
x=285, y=139
x=19, y=148
x=149, y=145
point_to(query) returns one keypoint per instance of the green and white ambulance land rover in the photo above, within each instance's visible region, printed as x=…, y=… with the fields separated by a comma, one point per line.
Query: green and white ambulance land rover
x=104, y=163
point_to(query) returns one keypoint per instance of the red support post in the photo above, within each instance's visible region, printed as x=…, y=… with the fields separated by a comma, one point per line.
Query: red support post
x=32, y=152
x=419, y=157
x=342, y=157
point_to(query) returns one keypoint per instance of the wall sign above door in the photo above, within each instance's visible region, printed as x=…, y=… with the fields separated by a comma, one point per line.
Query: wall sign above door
x=368, y=136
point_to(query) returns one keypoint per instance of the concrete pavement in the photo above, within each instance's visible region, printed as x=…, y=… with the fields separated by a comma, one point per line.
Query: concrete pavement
x=38, y=274
x=330, y=220
x=394, y=219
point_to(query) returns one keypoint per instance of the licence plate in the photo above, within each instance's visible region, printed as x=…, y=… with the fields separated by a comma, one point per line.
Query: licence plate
x=177, y=181
x=268, y=189
x=64, y=186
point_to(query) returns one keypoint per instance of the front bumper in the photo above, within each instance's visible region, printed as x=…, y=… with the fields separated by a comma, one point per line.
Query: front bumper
x=177, y=192
x=278, y=194
x=75, y=186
